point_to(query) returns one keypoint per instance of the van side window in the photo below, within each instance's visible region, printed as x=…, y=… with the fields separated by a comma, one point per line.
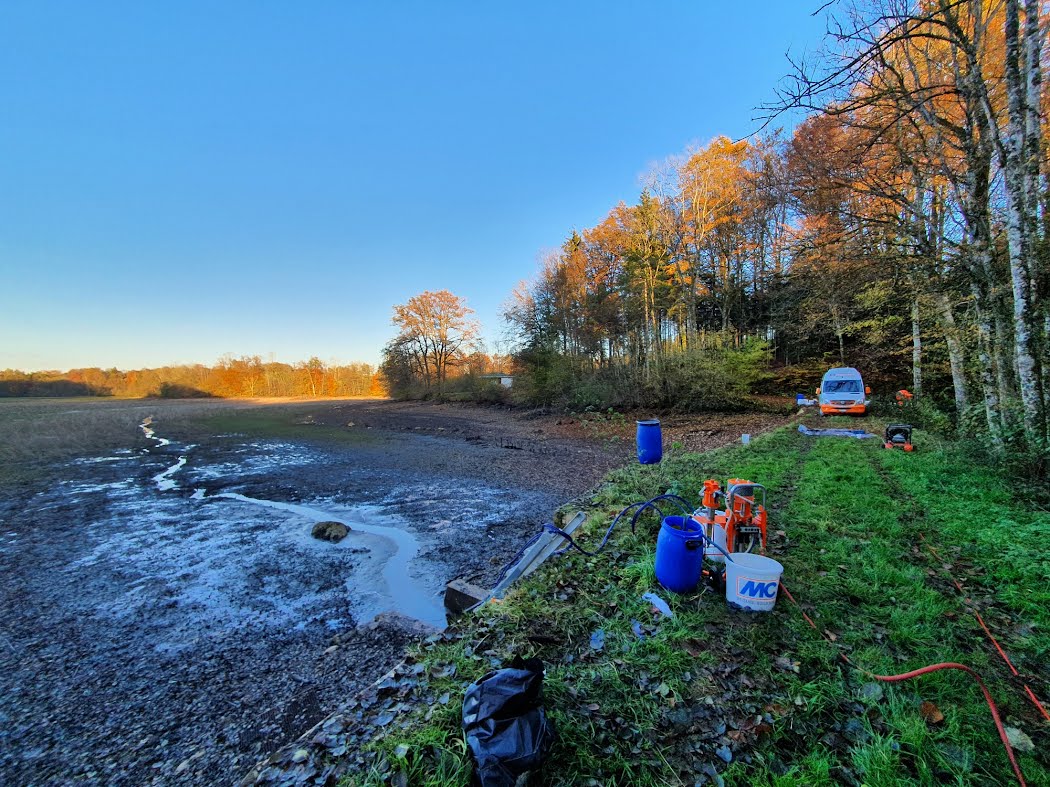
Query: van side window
x=841, y=386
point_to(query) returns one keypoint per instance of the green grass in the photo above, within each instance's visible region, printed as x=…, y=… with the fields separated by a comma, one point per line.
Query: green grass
x=285, y=422
x=36, y=433
x=647, y=711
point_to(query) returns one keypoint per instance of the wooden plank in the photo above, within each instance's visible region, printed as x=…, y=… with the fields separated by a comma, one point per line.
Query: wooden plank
x=556, y=543
x=545, y=546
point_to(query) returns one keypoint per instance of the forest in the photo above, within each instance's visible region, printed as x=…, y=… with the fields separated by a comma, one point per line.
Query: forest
x=244, y=377
x=901, y=228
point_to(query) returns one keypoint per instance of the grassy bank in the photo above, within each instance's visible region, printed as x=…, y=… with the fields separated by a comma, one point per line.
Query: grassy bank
x=37, y=432
x=309, y=421
x=761, y=699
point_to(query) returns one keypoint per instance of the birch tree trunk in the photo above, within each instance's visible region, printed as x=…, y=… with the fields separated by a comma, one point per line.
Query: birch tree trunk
x=993, y=416
x=916, y=349
x=1020, y=219
x=1003, y=356
x=956, y=359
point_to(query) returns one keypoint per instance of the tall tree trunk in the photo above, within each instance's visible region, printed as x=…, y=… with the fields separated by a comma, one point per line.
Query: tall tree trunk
x=916, y=349
x=1020, y=219
x=989, y=388
x=1033, y=137
x=956, y=359
x=839, y=330
x=1003, y=358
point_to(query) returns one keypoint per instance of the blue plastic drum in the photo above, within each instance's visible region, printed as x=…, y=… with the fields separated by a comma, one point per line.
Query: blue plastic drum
x=680, y=554
x=650, y=442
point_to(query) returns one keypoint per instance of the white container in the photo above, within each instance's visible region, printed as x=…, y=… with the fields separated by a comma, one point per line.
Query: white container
x=752, y=581
x=745, y=439
x=718, y=535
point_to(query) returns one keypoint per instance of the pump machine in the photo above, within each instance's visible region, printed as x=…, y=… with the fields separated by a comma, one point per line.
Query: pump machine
x=741, y=525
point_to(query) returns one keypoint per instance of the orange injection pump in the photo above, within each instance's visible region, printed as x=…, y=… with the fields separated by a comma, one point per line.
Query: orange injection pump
x=741, y=525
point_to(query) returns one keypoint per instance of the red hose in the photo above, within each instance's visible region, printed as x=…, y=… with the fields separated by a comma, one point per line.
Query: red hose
x=923, y=671
x=969, y=602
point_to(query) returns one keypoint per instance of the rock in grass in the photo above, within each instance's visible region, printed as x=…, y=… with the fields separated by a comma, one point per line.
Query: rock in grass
x=330, y=531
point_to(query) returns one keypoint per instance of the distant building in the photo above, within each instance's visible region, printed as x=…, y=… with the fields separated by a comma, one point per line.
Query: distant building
x=506, y=380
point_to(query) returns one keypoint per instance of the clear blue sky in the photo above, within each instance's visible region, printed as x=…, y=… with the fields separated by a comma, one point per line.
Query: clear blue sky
x=183, y=180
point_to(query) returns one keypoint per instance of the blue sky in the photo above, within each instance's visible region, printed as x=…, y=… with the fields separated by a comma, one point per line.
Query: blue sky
x=184, y=180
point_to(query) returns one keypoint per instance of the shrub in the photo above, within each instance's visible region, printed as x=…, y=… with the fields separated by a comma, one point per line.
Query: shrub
x=177, y=391
x=715, y=378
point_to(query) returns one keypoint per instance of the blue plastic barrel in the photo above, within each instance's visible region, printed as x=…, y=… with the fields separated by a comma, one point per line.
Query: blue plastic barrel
x=679, y=554
x=650, y=442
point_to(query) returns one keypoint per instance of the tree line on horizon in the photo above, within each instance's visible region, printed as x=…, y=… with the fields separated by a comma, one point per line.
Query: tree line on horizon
x=241, y=377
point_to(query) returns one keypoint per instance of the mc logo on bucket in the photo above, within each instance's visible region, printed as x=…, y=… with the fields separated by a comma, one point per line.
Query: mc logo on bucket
x=756, y=589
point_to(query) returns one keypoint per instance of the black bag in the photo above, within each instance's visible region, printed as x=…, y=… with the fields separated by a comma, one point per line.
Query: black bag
x=503, y=719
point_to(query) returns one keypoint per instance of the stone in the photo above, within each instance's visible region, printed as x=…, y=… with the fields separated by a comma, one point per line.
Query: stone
x=461, y=595
x=330, y=531
x=402, y=623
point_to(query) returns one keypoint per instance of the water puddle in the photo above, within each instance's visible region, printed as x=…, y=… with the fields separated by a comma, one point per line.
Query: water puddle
x=164, y=481
x=406, y=595
x=401, y=592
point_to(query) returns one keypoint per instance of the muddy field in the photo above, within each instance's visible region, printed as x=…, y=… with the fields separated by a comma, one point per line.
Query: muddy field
x=165, y=615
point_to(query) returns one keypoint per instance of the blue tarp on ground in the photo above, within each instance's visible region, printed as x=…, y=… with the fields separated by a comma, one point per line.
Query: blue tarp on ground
x=860, y=434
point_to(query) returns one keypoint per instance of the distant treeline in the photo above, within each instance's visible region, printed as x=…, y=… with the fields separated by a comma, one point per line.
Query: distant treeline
x=230, y=377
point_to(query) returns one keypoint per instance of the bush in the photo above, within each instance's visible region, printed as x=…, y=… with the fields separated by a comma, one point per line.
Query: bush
x=594, y=392
x=717, y=378
x=921, y=412
x=177, y=391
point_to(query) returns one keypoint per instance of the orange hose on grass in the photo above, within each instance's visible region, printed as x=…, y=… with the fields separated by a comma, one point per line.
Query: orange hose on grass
x=923, y=671
x=969, y=604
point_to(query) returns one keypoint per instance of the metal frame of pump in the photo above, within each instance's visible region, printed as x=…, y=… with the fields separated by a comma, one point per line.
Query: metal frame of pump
x=743, y=518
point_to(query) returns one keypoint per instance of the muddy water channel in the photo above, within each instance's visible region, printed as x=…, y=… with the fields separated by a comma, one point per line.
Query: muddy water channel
x=166, y=616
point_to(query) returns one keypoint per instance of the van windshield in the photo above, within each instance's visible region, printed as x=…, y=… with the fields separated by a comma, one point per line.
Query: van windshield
x=841, y=386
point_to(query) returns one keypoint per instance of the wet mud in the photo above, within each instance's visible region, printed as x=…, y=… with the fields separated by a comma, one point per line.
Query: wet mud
x=166, y=617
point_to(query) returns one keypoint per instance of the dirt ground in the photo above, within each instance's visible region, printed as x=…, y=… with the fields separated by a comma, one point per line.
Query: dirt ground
x=166, y=618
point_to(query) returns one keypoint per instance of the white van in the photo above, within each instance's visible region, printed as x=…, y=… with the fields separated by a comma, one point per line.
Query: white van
x=842, y=392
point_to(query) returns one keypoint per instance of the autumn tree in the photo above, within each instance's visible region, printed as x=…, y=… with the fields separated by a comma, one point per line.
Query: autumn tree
x=943, y=98
x=435, y=332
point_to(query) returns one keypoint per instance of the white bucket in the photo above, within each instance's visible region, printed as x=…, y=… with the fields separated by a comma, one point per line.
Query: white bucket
x=745, y=439
x=752, y=581
x=718, y=535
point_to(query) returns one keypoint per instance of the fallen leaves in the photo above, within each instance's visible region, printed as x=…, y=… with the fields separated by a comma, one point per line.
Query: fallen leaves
x=694, y=647
x=871, y=691
x=930, y=712
x=598, y=641
x=1020, y=740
